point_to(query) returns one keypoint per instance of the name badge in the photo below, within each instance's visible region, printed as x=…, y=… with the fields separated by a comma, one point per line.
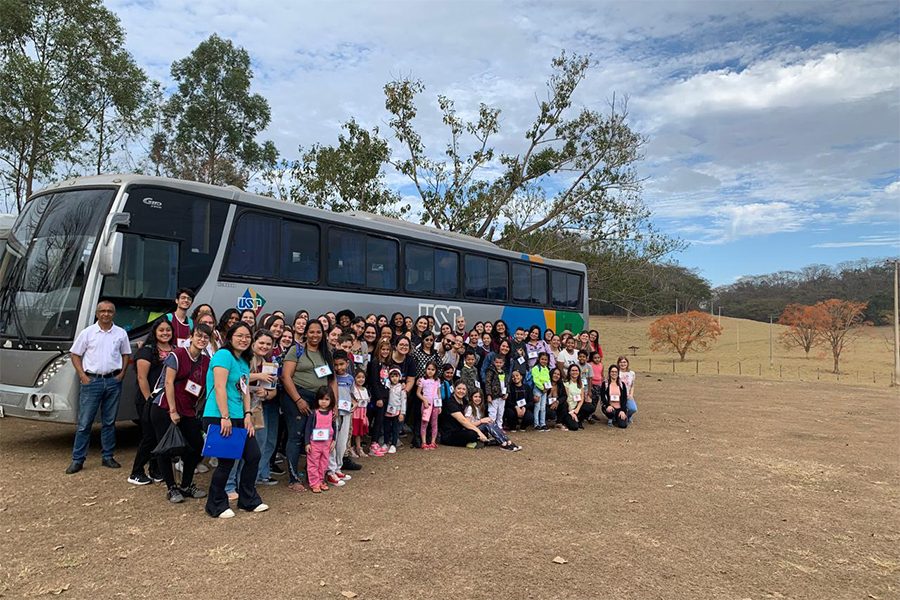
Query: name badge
x=532, y=354
x=521, y=360
x=502, y=389
x=546, y=385
x=358, y=359
x=192, y=387
x=242, y=384
x=552, y=400
x=576, y=398
x=323, y=371
x=458, y=373
x=437, y=402
x=321, y=435
x=478, y=384
x=520, y=403
x=392, y=410
x=183, y=343
x=614, y=398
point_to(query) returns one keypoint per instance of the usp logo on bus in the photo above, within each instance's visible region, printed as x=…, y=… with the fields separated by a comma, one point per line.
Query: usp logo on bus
x=251, y=301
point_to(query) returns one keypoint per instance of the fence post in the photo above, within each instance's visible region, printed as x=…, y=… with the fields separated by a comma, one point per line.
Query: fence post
x=740, y=372
x=781, y=370
x=798, y=374
x=760, y=369
x=717, y=368
x=698, y=367
x=873, y=376
x=839, y=375
x=673, y=365
x=818, y=375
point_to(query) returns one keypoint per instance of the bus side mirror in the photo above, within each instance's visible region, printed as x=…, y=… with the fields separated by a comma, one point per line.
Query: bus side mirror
x=111, y=248
x=111, y=255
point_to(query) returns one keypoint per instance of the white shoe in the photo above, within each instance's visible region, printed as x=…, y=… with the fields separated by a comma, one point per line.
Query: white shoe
x=261, y=508
x=226, y=514
x=179, y=466
x=392, y=450
x=343, y=475
x=201, y=468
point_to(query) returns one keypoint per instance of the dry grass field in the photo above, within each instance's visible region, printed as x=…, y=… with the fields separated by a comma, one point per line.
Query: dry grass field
x=867, y=360
x=725, y=487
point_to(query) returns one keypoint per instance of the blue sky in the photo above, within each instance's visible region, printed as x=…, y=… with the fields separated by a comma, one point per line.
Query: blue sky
x=774, y=127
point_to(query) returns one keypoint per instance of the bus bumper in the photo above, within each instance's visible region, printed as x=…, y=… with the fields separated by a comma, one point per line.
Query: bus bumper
x=51, y=402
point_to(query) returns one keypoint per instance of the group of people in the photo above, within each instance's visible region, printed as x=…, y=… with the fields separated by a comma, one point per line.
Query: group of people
x=316, y=394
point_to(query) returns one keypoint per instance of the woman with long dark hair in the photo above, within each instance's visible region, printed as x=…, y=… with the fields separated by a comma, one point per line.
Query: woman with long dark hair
x=420, y=328
x=228, y=405
x=148, y=362
x=303, y=372
x=501, y=333
x=226, y=322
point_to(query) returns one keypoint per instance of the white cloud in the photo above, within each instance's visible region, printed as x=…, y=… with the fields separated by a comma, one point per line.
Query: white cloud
x=862, y=242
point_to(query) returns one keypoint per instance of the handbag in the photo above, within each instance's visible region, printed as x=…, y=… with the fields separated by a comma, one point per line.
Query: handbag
x=172, y=443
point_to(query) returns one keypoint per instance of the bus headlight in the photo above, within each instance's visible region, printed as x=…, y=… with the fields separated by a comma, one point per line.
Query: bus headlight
x=52, y=369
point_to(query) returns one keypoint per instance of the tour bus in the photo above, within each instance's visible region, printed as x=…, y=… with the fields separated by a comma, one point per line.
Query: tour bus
x=136, y=240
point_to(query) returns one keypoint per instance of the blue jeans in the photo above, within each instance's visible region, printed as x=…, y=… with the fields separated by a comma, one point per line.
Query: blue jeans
x=296, y=430
x=99, y=395
x=540, y=411
x=268, y=438
x=630, y=408
x=391, y=430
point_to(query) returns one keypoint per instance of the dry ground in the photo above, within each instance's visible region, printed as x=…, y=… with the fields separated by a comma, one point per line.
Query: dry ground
x=867, y=360
x=725, y=488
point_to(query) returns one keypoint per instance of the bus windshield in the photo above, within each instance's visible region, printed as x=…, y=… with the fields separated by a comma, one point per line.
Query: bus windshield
x=50, y=248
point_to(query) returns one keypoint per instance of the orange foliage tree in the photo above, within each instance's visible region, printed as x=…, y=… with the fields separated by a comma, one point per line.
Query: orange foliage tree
x=805, y=325
x=684, y=332
x=842, y=321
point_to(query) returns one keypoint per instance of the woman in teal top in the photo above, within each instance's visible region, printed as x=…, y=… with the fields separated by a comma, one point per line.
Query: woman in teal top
x=228, y=406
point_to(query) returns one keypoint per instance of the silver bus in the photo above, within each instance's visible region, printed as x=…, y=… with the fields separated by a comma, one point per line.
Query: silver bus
x=135, y=240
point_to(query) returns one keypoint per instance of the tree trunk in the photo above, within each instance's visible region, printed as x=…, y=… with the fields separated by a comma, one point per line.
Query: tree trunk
x=837, y=358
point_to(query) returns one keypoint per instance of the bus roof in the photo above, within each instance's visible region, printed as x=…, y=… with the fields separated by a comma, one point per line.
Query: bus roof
x=368, y=221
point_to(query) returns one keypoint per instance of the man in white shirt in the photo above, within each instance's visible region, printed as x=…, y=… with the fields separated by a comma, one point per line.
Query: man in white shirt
x=460, y=327
x=567, y=357
x=100, y=355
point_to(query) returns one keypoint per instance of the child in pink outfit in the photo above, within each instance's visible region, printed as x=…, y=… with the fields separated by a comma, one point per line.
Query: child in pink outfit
x=320, y=439
x=430, y=394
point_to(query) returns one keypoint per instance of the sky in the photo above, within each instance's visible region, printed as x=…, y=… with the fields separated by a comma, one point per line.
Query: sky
x=773, y=127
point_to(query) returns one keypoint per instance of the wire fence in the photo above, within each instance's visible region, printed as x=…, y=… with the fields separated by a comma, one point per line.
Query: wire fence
x=759, y=369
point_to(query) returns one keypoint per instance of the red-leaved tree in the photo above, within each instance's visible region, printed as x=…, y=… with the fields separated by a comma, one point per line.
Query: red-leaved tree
x=684, y=332
x=805, y=325
x=842, y=322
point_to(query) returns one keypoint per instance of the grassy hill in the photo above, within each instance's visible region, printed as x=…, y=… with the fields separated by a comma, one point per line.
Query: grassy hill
x=869, y=354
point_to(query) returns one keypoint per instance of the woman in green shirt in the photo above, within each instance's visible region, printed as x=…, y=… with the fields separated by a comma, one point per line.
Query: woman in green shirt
x=303, y=372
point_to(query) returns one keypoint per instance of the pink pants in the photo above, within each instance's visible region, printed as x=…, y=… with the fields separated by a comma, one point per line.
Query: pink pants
x=429, y=415
x=317, y=462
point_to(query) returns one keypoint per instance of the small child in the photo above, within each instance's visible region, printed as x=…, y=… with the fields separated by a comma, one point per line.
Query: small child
x=429, y=393
x=396, y=410
x=496, y=390
x=468, y=374
x=597, y=377
x=359, y=424
x=475, y=413
x=540, y=375
x=345, y=343
x=320, y=439
x=342, y=419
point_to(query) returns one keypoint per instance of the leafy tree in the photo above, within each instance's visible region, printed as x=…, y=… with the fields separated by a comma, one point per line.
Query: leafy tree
x=594, y=153
x=841, y=324
x=213, y=119
x=61, y=62
x=684, y=332
x=341, y=178
x=804, y=326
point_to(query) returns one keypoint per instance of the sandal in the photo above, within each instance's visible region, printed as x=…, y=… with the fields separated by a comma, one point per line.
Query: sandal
x=324, y=487
x=297, y=487
x=353, y=453
x=316, y=489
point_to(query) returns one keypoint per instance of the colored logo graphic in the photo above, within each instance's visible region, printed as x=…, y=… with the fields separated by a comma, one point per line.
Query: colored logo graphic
x=252, y=301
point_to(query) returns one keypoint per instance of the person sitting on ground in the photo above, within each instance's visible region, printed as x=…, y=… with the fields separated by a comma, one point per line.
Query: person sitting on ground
x=476, y=414
x=518, y=410
x=453, y=426
x=627, y=376
x=613, y=394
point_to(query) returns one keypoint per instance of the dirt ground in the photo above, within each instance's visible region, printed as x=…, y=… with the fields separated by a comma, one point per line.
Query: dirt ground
x=724, y=488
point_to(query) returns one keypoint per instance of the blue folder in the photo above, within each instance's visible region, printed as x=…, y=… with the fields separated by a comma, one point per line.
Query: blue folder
x=224, y=447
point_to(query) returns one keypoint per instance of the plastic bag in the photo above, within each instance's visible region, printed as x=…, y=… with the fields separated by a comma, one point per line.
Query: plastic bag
x=172, y=443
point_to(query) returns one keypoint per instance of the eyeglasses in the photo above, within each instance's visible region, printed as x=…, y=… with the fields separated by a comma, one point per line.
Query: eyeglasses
x=202, y=337
x=241, y=336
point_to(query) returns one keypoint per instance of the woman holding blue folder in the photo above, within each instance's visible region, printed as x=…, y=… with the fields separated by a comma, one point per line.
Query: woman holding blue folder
x=228, y=407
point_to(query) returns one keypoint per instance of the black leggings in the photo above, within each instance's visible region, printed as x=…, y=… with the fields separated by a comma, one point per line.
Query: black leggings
x=148, y=440
x=511, y=420
x=459, y=438
x=248, y=497
x=587, y=409
x=376, y=420
x=565, y=417
x=619, y=422
x=190, y=429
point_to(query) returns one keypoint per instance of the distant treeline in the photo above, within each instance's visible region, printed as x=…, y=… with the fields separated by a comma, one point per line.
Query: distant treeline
x=760, y=296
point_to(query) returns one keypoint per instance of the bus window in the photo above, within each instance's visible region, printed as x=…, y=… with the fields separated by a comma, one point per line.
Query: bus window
x=346, y=258
x=566, y=290
x=149, y=269
x=254, y=247
x=299, y=252
x=559, y=289
x=573, y=295
x=476, y=277
x=381, y=261
x=529, y=284
x=539, y=285
x=498, y=280
x=431, y=271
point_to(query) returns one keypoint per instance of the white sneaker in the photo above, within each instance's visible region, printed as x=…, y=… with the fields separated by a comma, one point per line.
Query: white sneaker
x=342, y=475
x=226, y=514
x=392, y=450
x=261, y=508
x=201, y=468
